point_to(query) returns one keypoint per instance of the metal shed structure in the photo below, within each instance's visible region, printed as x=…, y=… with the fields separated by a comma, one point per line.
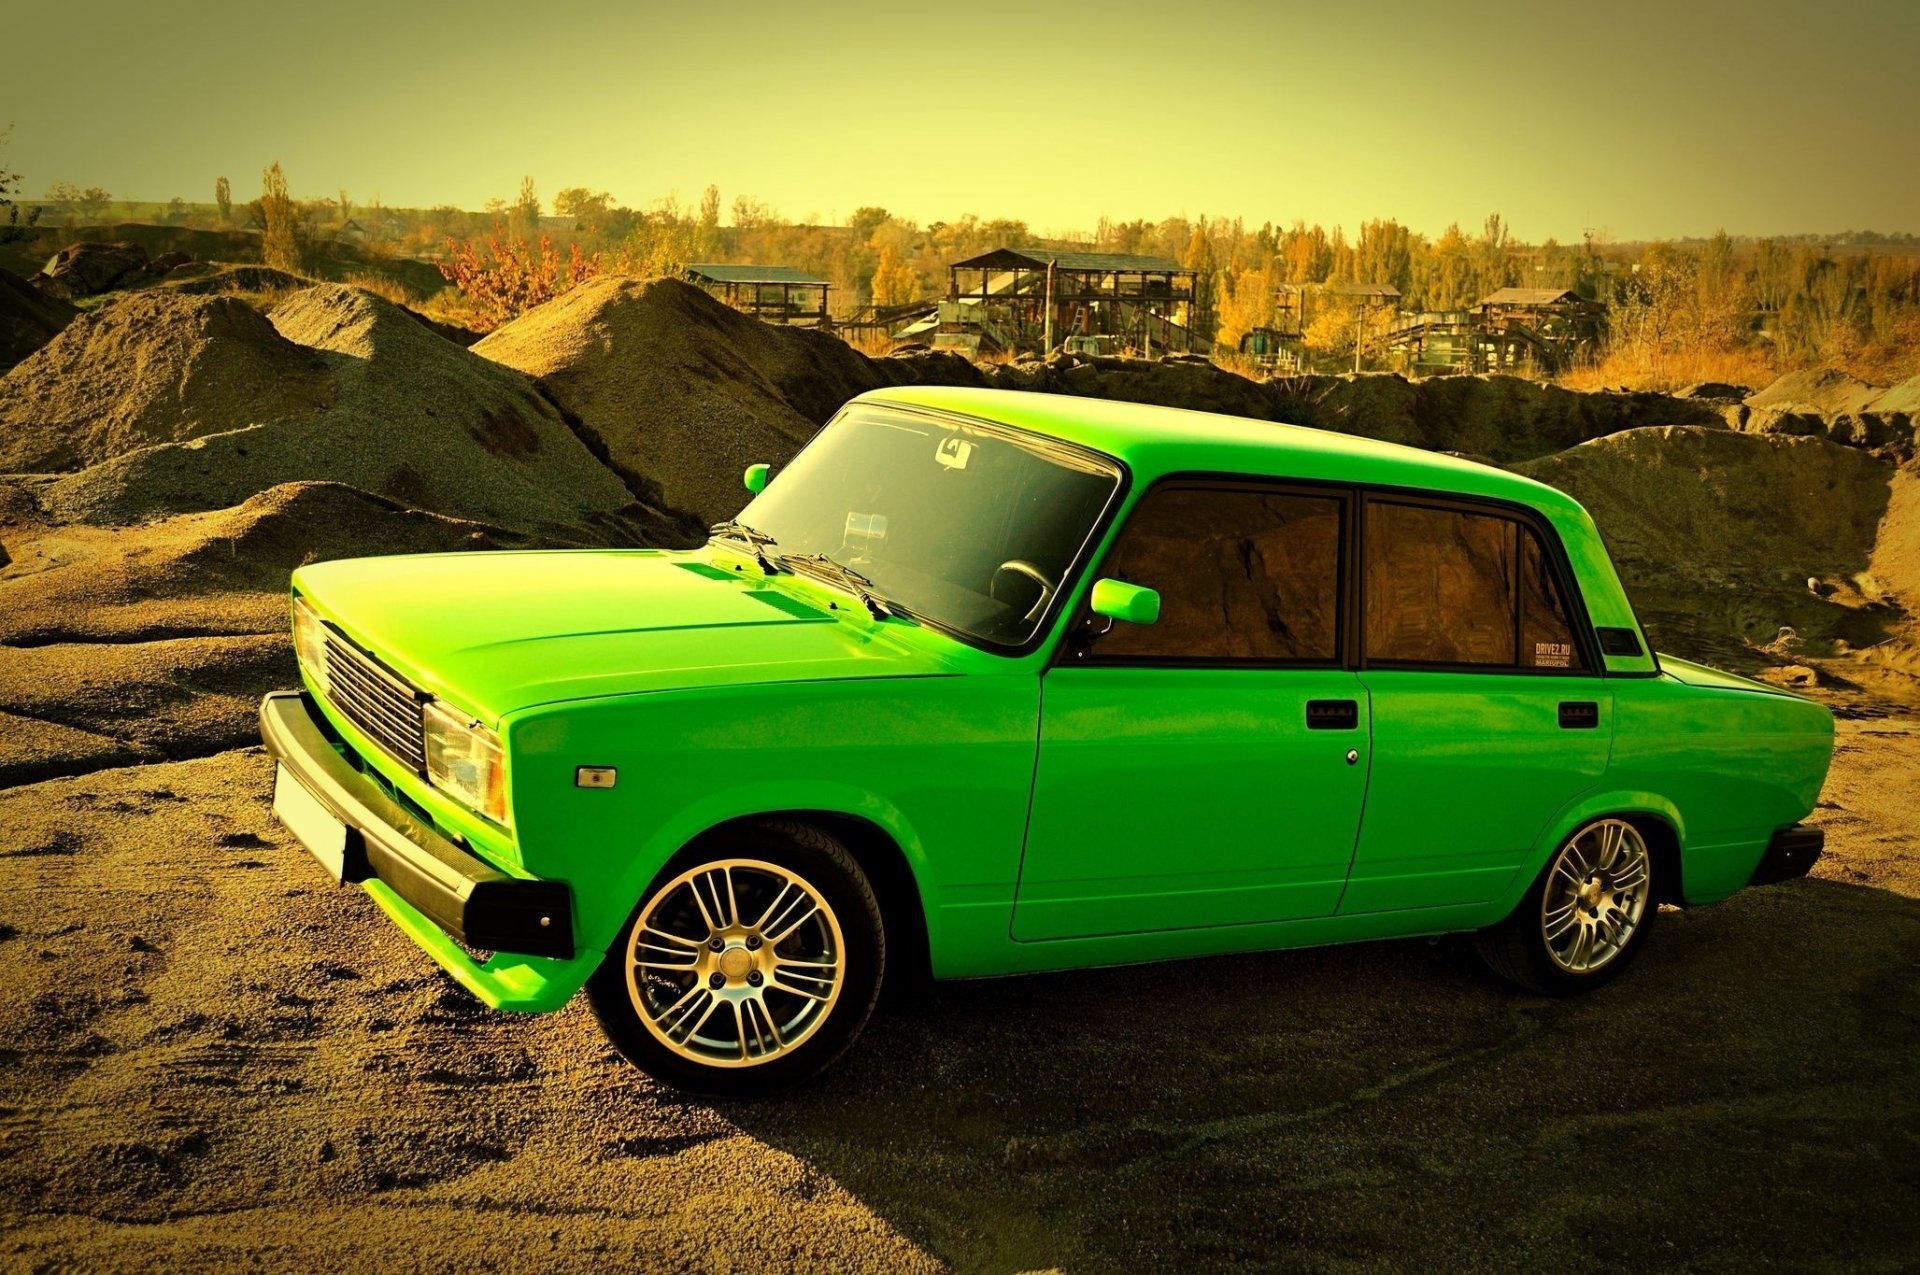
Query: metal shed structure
x=1038, y=298
x=778, y=294
x=1541, y=327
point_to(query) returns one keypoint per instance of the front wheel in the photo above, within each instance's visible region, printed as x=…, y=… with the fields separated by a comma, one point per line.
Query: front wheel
x=1584, y=919
x=750, y=965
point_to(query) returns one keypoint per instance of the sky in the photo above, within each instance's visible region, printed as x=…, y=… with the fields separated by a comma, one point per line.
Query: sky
x=1637, y=120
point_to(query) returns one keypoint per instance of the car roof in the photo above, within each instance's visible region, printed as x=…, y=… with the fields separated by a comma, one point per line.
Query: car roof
x=1156, y=441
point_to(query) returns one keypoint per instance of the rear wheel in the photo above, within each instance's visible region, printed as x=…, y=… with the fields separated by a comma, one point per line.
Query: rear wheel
x=1584, y=919
x=750, y=965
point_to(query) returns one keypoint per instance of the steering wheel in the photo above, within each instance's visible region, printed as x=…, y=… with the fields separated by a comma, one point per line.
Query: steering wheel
x=1021, y=567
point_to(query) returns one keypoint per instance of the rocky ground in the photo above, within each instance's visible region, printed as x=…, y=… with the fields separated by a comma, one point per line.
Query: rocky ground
x=214, y=1058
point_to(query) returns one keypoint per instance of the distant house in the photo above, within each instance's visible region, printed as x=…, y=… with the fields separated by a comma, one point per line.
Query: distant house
x=351, y=230
x=778, y=294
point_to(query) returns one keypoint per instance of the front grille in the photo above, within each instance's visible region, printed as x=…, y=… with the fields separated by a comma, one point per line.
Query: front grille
x=386, y=709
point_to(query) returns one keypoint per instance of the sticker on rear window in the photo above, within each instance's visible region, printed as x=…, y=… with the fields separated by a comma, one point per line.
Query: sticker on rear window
x=1553, y=655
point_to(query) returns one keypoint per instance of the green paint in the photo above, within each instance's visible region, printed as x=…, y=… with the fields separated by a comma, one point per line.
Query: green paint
x=1056, y=814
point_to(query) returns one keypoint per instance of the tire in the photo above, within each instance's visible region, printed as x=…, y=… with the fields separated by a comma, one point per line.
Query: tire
x=1604, y=873
x=780, y=999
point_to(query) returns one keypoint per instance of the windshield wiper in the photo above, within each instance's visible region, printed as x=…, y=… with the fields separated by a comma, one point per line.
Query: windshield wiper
x=756, y=541
x=855, y=583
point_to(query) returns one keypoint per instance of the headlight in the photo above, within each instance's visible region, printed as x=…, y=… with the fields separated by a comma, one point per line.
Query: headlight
x=465, y=761
x=310, y=641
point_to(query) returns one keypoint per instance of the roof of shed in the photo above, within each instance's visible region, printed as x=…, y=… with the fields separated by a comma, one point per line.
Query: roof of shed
x=1087, y=262
x=721, y=272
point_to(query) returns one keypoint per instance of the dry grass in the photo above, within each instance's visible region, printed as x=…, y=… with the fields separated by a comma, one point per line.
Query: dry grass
x=385, y=286
x=1637, y=371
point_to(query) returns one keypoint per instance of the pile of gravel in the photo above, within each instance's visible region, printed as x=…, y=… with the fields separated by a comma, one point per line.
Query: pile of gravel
x=336, y=384
x=28, y=319
x=149, y=368
x=1724, y=538
x=681, y=393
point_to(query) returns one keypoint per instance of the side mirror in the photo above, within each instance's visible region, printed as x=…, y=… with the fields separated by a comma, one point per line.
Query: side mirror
x=1118, y=600
x=756, y=478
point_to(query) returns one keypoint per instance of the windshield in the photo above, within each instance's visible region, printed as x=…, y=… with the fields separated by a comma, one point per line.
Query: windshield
x=968, y=526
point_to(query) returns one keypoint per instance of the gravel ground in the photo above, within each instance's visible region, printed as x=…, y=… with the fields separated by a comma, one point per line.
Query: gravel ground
x=213, y=1058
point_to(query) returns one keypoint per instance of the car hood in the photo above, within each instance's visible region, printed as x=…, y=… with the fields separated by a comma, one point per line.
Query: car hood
x=498, y=632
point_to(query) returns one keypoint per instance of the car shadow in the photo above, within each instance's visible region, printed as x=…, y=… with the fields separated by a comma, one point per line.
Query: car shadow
x=1750, y=1091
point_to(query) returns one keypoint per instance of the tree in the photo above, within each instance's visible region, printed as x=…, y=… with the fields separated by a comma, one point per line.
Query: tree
x=346, y=208
x=9, y=183
x=176, y=209
x=524, y=214
x=513, y=275
x=588, y=208
x=894, y=281
x=280, y=245
x=223, y=196
x=707, y=241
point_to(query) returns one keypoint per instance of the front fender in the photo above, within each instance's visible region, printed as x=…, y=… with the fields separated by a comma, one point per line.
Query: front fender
x=772, y=798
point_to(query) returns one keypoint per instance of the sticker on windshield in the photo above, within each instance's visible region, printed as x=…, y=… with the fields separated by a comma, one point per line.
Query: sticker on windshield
x=1552, y=655
x=954, y=453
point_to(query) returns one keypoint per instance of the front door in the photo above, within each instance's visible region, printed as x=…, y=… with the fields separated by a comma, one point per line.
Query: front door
x=1208, y=769
x=1488, y=718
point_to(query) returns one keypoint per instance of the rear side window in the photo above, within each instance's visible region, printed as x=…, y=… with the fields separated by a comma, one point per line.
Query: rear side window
x=1455, y=588
x=1242, y=575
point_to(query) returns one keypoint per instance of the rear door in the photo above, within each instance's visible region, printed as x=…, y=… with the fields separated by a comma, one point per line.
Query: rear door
x=1208, y=769
x=1488, y=715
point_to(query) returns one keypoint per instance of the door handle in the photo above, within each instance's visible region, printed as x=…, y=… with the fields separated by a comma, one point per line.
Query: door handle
x=1333, y=714
x=1579, y=715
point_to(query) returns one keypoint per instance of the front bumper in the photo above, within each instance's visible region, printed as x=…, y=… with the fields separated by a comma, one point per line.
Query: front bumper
x=1791, y=853
x=399, y=857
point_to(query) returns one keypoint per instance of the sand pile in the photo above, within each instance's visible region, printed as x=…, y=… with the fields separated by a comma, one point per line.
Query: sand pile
x=681, y=393
x=1718, y=535
x=1501, y=418
x=149, y=368
x=1841, y=408
x=28, y=319
x=223, y=572
x=67, y=709
x=397, y=410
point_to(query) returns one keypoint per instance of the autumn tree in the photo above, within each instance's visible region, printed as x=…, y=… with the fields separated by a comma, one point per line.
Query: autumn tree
x=280, y=240
x=507, y=276
x=895, y=282
x=223, y=198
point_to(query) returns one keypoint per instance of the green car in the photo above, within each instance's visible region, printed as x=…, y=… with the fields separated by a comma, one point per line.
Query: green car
x=991, y=683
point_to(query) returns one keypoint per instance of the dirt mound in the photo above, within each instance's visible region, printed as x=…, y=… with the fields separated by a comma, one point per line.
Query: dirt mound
x=1725, y=538
x=1816, y=392
x=681, y=392
x=215, y=573
x=28, y=319
x=1503, y=418
x=82, y=269
x=402, y=412
x=79, y=707
x=198, y=278
x=148, y=368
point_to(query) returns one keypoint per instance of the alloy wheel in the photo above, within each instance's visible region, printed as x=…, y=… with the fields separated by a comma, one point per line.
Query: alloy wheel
x=1598, y=889
x=735, y=962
